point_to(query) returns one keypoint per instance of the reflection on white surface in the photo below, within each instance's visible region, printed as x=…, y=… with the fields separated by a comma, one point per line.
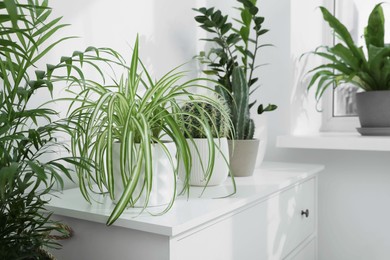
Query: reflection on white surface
x=344, y=100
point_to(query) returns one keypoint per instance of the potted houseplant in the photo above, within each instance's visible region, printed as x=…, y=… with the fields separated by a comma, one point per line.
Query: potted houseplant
x=131, y=128
x=348, y=63
x=233, y=62
x=220, y=124
x=30, y=166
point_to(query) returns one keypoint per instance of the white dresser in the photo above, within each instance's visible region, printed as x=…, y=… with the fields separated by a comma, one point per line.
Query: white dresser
x=273, y=215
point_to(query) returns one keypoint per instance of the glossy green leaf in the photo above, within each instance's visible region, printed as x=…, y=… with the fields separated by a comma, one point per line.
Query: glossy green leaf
x=374, y=33
x=246, y=17
x=343, y=33
x=268, y=108
x=226, y=28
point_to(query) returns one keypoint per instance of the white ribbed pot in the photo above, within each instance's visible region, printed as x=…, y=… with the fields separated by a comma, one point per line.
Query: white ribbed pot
x=163, y=179
x=201, y=155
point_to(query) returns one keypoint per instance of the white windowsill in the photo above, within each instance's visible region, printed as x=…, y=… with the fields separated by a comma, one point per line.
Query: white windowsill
x=335, y=141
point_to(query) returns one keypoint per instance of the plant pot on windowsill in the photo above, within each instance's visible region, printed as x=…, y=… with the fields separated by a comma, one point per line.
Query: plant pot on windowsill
x=369, y=71
x=374, y=112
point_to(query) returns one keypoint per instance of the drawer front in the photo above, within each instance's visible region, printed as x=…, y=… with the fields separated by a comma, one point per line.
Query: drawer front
x=269, y=230
x=308, y=252
x=292, y=217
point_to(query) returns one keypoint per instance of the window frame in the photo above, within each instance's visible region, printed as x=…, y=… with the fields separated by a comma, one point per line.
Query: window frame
x=331, y=123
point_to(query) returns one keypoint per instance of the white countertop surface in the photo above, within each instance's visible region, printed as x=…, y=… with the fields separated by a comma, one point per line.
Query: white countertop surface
x=187, y=213
x=336, y=141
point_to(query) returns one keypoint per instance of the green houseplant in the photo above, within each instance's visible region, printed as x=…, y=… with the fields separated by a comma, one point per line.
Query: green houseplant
x=348, y=63
x=122, y=124
x=233, y=62
x=219, y=122
x=30, y=167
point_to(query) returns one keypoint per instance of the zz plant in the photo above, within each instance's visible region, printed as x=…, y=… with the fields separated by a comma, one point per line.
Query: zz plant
x=233, y=60
x=30, y=167
x=348, y=63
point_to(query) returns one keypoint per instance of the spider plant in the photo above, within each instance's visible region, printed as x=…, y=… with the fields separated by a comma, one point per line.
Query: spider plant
x=348, y=63
x=135, y=112
x=29, y=164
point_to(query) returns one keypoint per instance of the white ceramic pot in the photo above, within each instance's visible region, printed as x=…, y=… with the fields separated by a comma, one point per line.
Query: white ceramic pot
x=163, y=179
x=200, y=156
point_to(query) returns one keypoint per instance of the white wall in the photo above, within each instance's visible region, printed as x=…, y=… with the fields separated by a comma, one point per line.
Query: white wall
x=166, y=29
x=354, y=189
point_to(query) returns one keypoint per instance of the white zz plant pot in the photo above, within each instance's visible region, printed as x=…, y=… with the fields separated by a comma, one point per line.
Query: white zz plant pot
x=163, y=178
x=200, y=157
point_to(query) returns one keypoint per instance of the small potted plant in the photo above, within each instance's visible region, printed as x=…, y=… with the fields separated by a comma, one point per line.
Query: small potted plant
x=233, y=62
x=348, y=63
x=208, y=168
x=131, y=129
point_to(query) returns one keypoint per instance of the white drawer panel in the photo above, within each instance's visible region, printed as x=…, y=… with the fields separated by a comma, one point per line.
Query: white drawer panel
x=269, y=230
x=308, y=252
x=288, y=227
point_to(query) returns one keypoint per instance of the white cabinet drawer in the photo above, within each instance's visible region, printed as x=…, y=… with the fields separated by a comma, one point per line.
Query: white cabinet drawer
x=269, y=230
x=308, y=252
x=293, y=216
x=262, y=221
x=286, y=228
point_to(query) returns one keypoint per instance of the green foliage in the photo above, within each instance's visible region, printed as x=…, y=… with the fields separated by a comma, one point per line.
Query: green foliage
x=242, y=122
x=215, y=118
x=347, y=62
x=24, y=222
x=134, y=111
x=234, y=47
x=27, y=133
